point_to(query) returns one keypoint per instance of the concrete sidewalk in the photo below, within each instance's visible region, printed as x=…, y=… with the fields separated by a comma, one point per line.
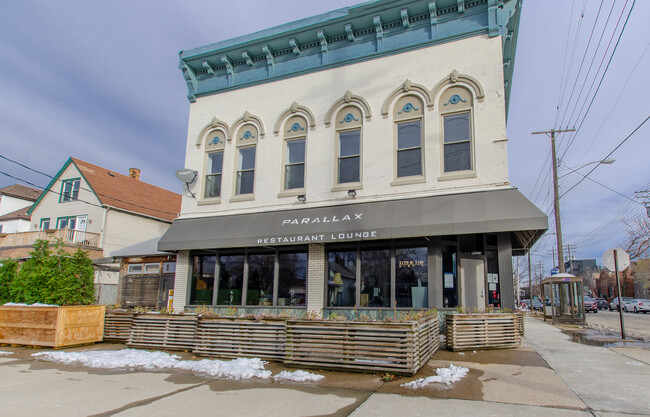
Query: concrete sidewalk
x=511, y=382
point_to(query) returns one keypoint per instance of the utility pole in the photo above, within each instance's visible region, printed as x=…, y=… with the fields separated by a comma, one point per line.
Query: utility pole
x=556, y=193
x=530, y=283
x=645, y=195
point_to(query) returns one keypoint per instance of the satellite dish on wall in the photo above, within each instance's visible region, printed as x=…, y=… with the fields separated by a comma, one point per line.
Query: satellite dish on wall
x=186, y=175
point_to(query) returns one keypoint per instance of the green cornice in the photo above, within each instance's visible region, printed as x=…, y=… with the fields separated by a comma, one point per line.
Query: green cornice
x=344, y=36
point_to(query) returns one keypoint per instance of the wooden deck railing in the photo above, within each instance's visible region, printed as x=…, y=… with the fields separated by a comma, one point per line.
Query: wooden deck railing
x=68, y=236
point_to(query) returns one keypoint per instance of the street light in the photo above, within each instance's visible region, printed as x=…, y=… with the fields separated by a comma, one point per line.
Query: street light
x=607, y=161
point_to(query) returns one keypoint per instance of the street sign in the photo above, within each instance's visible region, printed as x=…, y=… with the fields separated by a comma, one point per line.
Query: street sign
x=623, y=259
x=555, y=271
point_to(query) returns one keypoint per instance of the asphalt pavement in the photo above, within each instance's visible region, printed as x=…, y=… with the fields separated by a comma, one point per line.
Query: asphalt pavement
x=549, y=375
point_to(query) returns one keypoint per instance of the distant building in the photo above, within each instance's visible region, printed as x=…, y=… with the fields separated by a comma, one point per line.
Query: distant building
x=15, y=201
x=98, y=210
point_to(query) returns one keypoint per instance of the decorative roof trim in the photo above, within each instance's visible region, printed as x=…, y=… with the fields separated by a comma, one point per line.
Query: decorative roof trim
x=407, y=87
x=454, y=78
x=348, y=98
x=246, y=118
x=215, y=124
x=295, y=109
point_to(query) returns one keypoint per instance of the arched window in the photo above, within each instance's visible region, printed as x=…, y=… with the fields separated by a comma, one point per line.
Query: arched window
x=349, y=121
x=246, y=141
x=457, y=131
x=295, y=142
x=409, y=133
x=215, y=141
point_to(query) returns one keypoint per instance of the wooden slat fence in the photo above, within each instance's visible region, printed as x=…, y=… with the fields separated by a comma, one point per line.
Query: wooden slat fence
x=239, y=337
x=481, y=331
x=170, y=332
x=117, y=326
x=371, y=347
x=520, y=322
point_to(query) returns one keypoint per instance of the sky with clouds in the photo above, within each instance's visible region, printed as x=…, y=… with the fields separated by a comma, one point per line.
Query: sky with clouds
x=100, y=81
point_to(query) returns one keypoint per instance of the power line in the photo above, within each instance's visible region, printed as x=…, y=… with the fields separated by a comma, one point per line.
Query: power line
x=607, y=156
x=600, y=82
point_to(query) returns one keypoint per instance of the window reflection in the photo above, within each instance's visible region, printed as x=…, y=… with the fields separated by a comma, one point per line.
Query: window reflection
x=411, y=279
x=231, y=273
x=202, y=280
x=342, y=279
x=292, y=281
x=375, y=278
x=260, y=279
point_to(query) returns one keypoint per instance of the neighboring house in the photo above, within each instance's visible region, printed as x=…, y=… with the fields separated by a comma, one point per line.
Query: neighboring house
x=146, y=275
x=15, y=201
x=99, y=211
x=354, y=161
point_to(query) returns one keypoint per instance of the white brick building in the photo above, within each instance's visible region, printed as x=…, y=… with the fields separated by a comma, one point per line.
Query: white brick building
x=356, y=159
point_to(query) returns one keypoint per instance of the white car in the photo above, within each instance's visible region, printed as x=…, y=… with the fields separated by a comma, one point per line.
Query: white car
x=638, y=306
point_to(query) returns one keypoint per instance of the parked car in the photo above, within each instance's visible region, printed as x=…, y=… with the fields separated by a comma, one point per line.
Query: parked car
x=601, y=303
x=537, y=305
x=590, y=305
x=637, y=305
x=614, y=304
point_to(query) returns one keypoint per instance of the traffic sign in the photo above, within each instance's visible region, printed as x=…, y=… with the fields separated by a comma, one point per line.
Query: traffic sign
x=623, y=259
x=555, y=271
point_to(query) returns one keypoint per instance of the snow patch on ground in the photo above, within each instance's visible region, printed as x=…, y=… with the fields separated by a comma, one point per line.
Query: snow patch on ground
x=635, y=363
x=298, y=376
x=242, y=368
x=443, y=376
x=3, y=353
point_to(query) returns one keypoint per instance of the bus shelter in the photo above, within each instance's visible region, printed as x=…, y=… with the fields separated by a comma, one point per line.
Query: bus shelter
x=563, y=299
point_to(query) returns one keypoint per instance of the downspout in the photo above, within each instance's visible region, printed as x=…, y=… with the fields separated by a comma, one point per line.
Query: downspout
x=103, y=229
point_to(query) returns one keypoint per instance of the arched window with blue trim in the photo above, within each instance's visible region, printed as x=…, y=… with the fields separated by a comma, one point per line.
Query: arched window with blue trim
x=349, y=121
x=246, y=141
x=456, y=112
x=215, y=141
x=295, y=147
x=409, y=155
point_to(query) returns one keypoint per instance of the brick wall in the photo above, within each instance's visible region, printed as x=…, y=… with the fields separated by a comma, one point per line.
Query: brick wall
x=316, y=278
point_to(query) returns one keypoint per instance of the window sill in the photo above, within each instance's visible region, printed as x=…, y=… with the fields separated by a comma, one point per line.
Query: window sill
x=209, y=201
x=294, y=192
x=409, y=180
x=457, y=175
x=346, y=186
x=242, y=197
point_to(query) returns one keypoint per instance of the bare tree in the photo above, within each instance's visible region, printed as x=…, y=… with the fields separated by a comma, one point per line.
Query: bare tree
x=637, y=238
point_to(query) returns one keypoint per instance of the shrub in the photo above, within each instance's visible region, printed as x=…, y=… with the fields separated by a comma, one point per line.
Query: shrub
x=50, y=276
x=8, y=272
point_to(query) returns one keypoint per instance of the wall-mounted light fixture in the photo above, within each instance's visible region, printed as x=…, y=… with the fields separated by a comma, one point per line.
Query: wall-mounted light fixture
x=302, y=198
x=352, y=193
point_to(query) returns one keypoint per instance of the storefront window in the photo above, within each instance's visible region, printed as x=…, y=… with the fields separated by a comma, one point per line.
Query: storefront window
x=292, y=282
x=411, y=279
x=493, y=281
x=342, y=279
x=449, y=277
x=260, y=279
x=231, y=274
x=375, y=278
x=202, y=280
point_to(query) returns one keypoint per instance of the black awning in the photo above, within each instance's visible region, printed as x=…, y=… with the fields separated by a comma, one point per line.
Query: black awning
x=478, y=212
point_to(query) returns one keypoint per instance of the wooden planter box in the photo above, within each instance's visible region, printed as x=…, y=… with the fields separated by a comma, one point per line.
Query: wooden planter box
x=161, y=331
x=51, y=326
x=482, y=331
x=240, y=337
x=118, y=326
x=401, y=348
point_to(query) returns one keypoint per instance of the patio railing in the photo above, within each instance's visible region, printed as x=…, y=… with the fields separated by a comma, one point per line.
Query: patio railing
x=68, y=236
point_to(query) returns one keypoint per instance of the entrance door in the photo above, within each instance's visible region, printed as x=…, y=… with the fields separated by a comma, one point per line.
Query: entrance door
x=472, y=283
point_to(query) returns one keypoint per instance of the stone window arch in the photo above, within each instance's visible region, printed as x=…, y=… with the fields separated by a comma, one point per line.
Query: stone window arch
x=349, y=128
x=294, y=154
x=408, y=120
x=246, y=137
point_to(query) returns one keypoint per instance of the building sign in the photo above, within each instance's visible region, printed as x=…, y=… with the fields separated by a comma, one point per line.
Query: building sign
x=320, y=237
x=322, y=219
x=410, y=264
